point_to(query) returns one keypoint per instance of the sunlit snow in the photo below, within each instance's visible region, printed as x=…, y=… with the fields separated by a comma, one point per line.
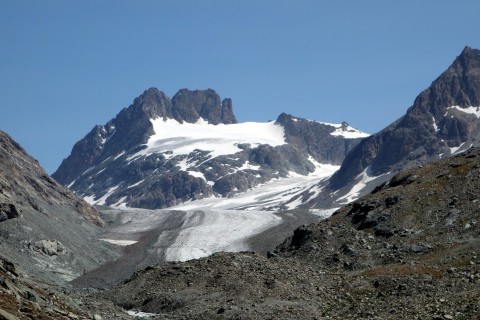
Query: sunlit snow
x=267, y=195
x=471, y=110
x=435, y=127
x=365, y=177
x=120, y=242
x=455, y=149
x=348, y=132
x=93, y=201
x=221, y=139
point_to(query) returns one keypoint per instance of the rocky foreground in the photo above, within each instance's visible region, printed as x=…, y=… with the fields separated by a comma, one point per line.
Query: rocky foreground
x=409, y=250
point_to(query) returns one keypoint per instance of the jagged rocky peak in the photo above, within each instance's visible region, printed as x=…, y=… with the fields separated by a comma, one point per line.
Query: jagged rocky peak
x=190, y=105
x=161, y=152
x=457, y=86
x=443, y=120
x=132, y=127
x=186, y=105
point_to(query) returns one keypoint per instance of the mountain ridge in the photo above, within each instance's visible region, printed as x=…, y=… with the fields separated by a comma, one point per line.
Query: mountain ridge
x=425, y=128
x=154, y=154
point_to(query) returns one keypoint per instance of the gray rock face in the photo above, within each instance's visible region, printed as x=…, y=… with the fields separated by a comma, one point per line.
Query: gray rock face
x=104, y=167
x=44, y=227
x=441, y=121
x=189, y=106
x=315, y=138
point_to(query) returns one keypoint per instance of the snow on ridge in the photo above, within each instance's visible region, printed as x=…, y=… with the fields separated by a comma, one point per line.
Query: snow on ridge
x=365, y=177
x=91, y=199
x=435, y=127
x=221, y=139
x=349, y=132
x=344, y=131
x=454, y=150
x=120, y=242
x=470, y=110
x=71, y=183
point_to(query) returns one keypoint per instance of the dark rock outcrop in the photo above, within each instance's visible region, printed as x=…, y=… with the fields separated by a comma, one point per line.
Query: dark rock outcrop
x=8, y=211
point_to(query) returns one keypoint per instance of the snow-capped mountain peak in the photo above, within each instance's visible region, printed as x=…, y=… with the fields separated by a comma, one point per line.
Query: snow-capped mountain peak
x=162, y=152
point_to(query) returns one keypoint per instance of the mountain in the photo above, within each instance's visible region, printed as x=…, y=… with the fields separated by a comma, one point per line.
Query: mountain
x=161, y=152
x=45, y=228
x=443, y=120
x=410, y=250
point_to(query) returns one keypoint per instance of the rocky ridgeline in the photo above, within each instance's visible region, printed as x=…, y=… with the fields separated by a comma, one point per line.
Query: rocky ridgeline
x=443, y=119
x=409, y=250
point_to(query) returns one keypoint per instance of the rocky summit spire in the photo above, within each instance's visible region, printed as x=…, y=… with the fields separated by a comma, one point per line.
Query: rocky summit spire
x=190, y=105
x=132, y=127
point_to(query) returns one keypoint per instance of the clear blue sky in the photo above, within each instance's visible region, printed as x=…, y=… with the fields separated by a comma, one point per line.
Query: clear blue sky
x=67, y=65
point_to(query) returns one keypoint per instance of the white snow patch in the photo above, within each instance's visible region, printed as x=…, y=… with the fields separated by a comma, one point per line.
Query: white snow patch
x=364, y=177
x=221, y=139
x=119, y=155
x=91, y=199
x=120, y=242
x=197, y=174
x=121, y=203
x=183, y=164
x=324, y=213
x=140, y=314
x=471, y=110
x=455, y=149
x=435, y=127
x=71, y=183
x=349, y=133
x=135, y=184
x=248, y=166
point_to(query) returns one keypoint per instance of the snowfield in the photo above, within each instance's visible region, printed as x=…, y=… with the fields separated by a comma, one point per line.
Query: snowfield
x=221, y=139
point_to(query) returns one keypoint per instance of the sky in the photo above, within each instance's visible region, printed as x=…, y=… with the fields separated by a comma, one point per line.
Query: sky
x=68, y=65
